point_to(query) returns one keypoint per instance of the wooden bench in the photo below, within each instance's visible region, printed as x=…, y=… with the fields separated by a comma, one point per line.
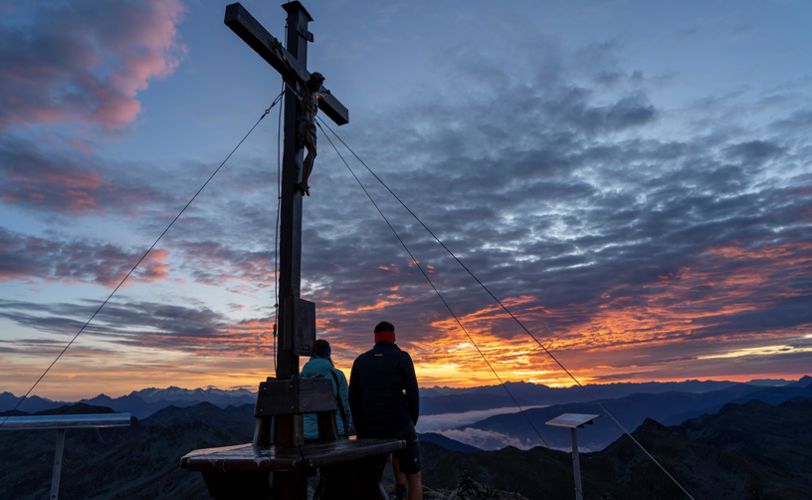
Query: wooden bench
x=349, y=468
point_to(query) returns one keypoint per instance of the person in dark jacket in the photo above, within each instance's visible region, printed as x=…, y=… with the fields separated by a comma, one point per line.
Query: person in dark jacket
x=384, y=401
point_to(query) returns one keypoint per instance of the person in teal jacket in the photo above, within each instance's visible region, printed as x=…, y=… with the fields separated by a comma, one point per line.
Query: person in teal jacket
x=320, y=365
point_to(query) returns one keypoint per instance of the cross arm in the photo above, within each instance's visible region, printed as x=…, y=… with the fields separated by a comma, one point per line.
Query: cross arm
x=270, y=49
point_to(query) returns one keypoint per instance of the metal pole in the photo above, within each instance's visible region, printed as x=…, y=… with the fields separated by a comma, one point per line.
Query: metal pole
x=57, y=472
x=576, y=466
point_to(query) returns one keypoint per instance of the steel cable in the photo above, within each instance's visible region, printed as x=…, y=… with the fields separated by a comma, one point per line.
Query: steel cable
x=140, y=260
x=549, y=353
x=440, y=295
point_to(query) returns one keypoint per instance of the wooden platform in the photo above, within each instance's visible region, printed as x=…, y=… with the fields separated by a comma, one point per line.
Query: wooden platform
x=248, y=458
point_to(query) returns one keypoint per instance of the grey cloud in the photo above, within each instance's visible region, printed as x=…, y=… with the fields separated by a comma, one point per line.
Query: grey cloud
x=754, y=151
x=70, y=182
x=24, y=257
x=137, y=323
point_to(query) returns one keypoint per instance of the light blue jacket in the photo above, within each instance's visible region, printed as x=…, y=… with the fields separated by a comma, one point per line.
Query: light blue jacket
x=320, y=367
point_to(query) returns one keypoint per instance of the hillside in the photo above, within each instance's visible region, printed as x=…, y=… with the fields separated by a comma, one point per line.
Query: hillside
x=668, y=408
x=754, y=451
x=139, y=462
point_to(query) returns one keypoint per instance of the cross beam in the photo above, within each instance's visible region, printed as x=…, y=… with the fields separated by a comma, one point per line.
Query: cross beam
x=268, y=47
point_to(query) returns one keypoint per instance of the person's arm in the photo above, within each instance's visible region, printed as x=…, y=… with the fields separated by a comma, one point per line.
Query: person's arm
x=343, y=394
x=290, y=73
x=354, y=396
x=412, y=392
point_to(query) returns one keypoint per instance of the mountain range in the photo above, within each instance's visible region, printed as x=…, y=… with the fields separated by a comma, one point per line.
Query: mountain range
x=750, y=451
x=434, y=400
x=668, y=408
x=141, y=403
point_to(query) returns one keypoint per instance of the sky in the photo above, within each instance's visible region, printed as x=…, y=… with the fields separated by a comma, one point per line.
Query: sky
x=631, y=178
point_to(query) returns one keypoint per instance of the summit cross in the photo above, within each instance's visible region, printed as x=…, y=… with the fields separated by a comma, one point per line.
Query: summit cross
x=278, y=463
x=291, y=62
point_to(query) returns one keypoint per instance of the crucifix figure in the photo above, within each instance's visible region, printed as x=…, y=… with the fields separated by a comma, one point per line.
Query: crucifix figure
x=306, y=132
x=309, y=95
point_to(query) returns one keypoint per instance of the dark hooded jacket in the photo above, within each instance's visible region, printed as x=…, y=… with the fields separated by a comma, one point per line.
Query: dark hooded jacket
x=383, y=393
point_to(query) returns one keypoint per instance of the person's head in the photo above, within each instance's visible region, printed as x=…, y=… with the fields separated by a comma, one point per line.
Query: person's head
x=322, y=349
x=385, y=332
x=315, y=81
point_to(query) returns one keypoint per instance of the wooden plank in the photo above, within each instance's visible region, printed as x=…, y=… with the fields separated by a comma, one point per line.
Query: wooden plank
x=245, y=26
x=333, y=108
x=294, y=396
x=348, y=451
x=246, y=457
x=242, y=458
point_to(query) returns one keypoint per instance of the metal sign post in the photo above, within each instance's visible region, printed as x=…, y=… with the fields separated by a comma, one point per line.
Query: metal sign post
x=573, y=421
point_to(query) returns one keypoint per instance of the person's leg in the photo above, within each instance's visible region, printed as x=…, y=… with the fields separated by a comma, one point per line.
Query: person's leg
x=400, y=479
x=409, y=463
x=310, y=158
x=415, y=486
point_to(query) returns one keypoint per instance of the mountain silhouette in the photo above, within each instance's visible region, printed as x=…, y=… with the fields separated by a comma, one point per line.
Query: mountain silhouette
x=745, y=451
x=667, y=407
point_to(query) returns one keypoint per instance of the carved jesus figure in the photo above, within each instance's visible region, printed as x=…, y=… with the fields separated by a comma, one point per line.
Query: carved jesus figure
x=306, y=130
x=308, y=107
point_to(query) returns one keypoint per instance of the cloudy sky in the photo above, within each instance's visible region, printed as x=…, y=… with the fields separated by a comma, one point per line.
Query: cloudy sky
x=633, y=180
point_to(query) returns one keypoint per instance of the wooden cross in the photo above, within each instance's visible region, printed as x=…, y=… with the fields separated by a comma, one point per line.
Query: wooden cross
x=291, y=62
x=352, y=468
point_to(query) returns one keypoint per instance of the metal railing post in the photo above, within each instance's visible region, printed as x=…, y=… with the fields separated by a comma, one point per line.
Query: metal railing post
x=57, y=472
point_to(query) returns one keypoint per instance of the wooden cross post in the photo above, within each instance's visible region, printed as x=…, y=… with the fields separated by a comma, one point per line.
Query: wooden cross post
x=291, y=62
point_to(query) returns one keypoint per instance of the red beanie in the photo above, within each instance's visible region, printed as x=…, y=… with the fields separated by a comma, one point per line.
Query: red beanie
x=385, y=332
x=385, y=337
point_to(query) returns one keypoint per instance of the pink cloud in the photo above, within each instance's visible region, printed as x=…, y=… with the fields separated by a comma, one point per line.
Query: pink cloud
x=85, y=63
x=69, y=184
